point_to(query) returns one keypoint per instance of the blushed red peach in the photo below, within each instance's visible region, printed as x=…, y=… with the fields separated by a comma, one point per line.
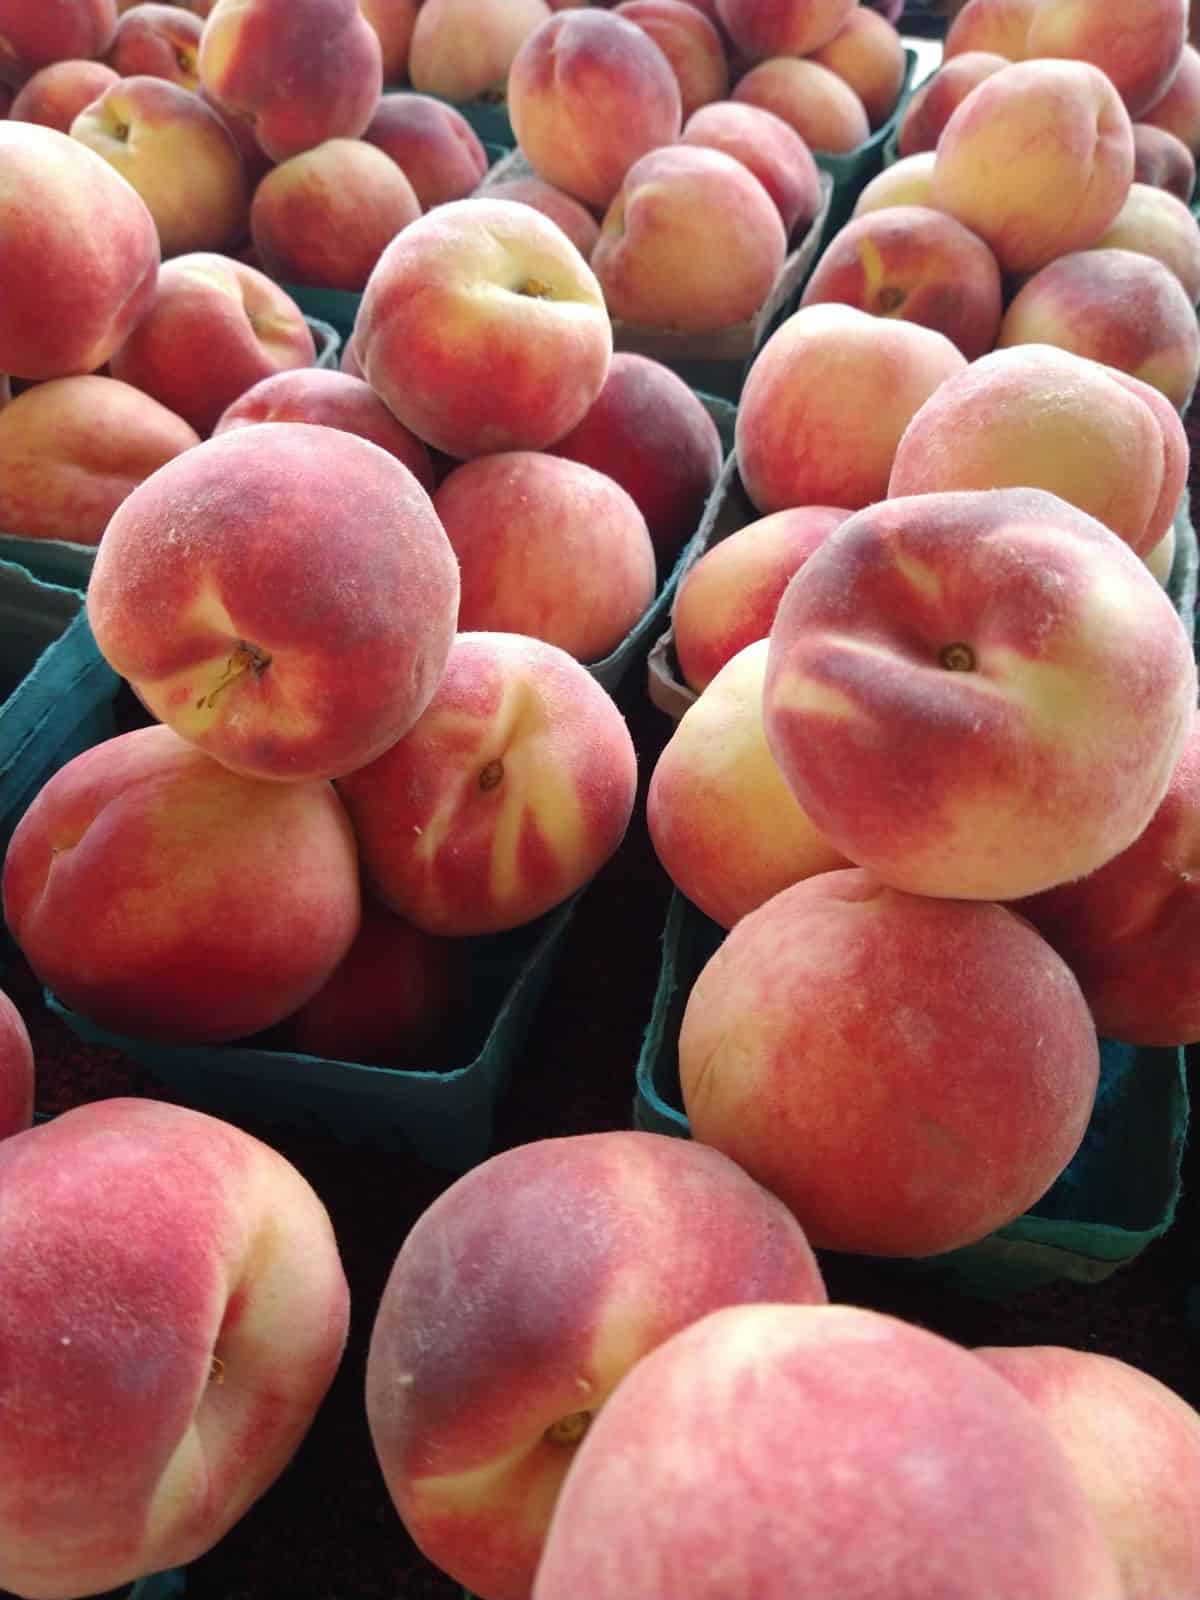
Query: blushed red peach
x=934, y=102
x=35, y=36
x=868, y=54
x=1137, y=48
x=16, y=1070
x=161, y=40
x=433, y=144
x=55, y=95
x=1159, y=225
x=998, y=26
x=575, y=220
x=393, y=22
x=1178, y=108
x=782, y=27
x=463, y=49
x=690, y=43
x=774, y=152
x=821, y=107
x=1163, y=161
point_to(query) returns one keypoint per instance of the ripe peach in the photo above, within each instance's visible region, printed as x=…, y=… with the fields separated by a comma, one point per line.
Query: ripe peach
x=393, y=22
x=690, y=43
x=463, y=49
x=1177, y=109
x=1163, y=161
x=1137, y=48
x=16, y=1070
x=508, y=794
x=1159, y=225
x=283, y=596
x=998, y=26
x=433, y=144
x=160, y=40
x=515, y=1307
x=589, y=93
x=821, y=107
x=33, y=36
x=907, y=182
x=774, y=152
x=826, y=401
x=868, y=54
x=991, y=611
x=56, y=94
x=782, y=27
x=576, y=221
x=934, y=102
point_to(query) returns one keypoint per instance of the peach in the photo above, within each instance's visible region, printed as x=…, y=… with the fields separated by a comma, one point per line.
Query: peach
x=576, y=221
x=224, y=1307
x=160, y=40
x=283, y=596
x=393, y=22
x=177, y=154
x=1048, y=419
x=125, y=876
x=827, y=1037
x=990, y=611
x=433, y=144
x=33, y=36
x=482, y=328
x=885, y=1460
x=934, y=102
x=1159, y=225
x=907, y=182
x=690, y=43
x=729, y=598
x=80, y=254
x=463, y=49
x=726, y=828
x=1163, y=161
x=821, y=107
x=331, y=400
x=1037, y=160
x=868, y=54
x=394, y=999
x=782, y=27
x=510, y=792
x=1177, y=109
x=1000, y=27
x=55, y=95
x=588, y=93
x=1161, y=559
x=651, y=434
x=917, y=265
x=825, y=403
x=774, y=152
x=677, y=210
x=518, y=1302
x=1126, y=930
x=305, y=70
x=214, y=328
x=72, y=449
x=1137, y=48
x=16, y=1070
x=326, y=216
x=1135, y=1448
x=1118, y=307
x=549, y=548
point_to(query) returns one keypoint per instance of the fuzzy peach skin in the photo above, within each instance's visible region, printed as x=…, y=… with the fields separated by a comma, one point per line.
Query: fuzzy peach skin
x=782, y=27
x=326, y=216
x=80, y=254
x=1008, y=613
x=284, y=596
x=933, y=102
x=151, y=132
x=1048, y=419
x=433, y=144
x=821, y=107
x=729, y=598
x=726, y=828
x=33, y=36
x=1159, y=225
x=1118, y=307
x=162, y=40
x=305, y=70
x=518, y=1302
x=483, y=328
x=511, y=791
x=998, y=26
x=1161, y=558
x=651, y=434
x=1163, y=161
x=575, y=220
x=907, y=182
x=16, y=1070
x=173, y=1312
x=1135, y=1447
x=393, y=22
x=126, y=875
x=770, y=1447
x=940, y=1045
x=588, y=93
x=826, y=401
x=55, y=95
x=394, y=1000
x=1129, y=930
x=332, y=400
x=547, y=547
x=1037, y=160
x=214, y=327
x=774, y=152
x=71, y=449
x=917, y=265
x=690, y=43
x=463, y=49
x=1178, y=108
x=868, y=53
x=678, y=210
x=1137, y=46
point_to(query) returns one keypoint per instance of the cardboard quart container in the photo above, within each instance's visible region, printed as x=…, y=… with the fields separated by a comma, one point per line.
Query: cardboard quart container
x=63, y=561
x=1118, y=1194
